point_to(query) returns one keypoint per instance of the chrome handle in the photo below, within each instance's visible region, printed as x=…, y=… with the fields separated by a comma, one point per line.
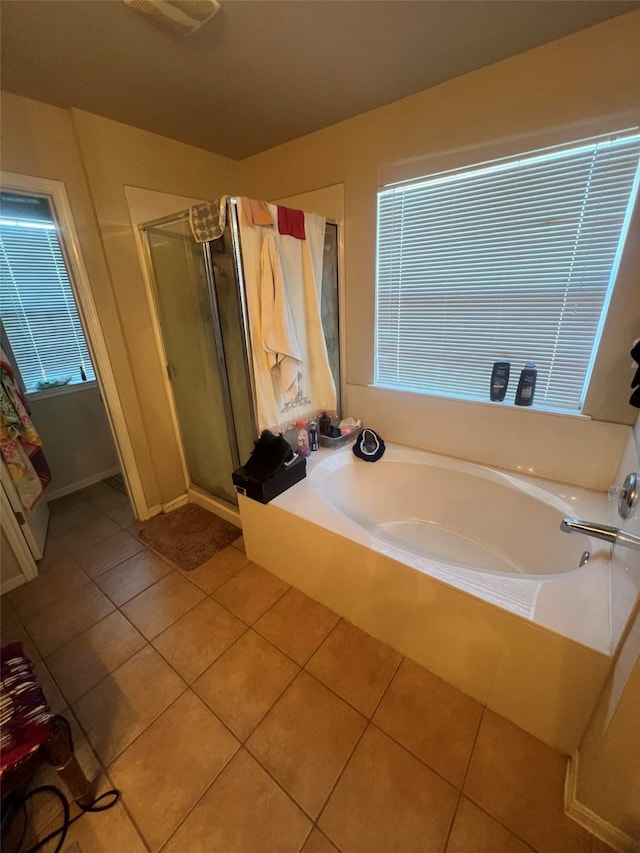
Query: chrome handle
x=627, y=495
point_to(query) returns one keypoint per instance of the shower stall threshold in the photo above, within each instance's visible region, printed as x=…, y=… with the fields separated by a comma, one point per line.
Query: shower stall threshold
x=217, y=506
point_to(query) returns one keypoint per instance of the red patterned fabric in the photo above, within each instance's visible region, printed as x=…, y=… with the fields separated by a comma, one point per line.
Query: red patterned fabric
x=26, y=721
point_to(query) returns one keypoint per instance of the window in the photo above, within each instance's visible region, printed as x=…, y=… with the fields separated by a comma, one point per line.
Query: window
x=511, y=260
x=37, y=304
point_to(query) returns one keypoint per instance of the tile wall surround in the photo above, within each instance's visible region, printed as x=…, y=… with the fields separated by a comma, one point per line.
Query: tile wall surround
x=566, y=449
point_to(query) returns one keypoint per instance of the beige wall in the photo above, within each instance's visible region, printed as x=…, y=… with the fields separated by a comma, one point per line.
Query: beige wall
x=557, y=92
x=608, y=773
x=76, y=437
x=96, y=158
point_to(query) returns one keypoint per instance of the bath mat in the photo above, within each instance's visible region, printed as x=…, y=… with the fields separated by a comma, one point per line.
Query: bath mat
x=188, y=536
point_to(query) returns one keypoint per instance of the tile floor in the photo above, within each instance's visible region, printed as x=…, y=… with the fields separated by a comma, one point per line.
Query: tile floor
x=237, y=715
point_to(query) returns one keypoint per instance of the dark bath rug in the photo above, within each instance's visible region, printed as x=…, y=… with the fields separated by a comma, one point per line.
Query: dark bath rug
x=188, y=536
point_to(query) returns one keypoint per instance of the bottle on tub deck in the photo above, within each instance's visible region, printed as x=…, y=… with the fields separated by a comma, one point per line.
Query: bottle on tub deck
x=313, y=435
x=324, y=424
x=303, y=439
x=526, y=385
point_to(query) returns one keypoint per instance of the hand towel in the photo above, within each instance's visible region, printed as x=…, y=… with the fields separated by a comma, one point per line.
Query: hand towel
x=291, y=222
x=256, y=212
x=208, y=220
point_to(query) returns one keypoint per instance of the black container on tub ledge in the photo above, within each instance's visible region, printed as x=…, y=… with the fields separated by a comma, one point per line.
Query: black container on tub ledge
x=527, y=385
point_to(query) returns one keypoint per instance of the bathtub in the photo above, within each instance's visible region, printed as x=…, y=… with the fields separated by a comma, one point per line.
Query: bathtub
x=460, y=567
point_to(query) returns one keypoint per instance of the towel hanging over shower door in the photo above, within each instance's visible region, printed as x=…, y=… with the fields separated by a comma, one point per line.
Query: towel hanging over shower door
x=301, y=267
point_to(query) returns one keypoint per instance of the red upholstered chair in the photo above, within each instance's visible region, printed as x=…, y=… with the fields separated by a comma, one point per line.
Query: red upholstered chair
x=29, y=730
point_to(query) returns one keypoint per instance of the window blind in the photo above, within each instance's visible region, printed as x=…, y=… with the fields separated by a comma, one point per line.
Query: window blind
x=507, y=261
x=36, y=300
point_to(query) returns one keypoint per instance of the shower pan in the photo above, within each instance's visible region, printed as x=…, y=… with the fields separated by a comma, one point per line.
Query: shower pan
x=199, y=301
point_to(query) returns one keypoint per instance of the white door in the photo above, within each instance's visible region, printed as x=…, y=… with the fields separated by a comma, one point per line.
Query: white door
x=34, y=522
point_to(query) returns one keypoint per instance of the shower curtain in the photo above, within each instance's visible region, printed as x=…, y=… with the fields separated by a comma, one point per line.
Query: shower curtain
x=283, y=281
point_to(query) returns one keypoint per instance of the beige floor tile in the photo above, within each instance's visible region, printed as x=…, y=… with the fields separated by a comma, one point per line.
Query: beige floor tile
x=296, y=624
x=104, y=555
x=355, y=665
x=85, y=535
x=54, y=581
x=74, y=613
x=520, y=781
x=474, y=830
x=84, y=661
x=244, y=683
x=122, y=515
x=54, y=697
x=430, y=718
x=598, y=846
x=17, y=634
x=388, y=800
x=162, y=604
x=196, y=640
x=249, y=593
x=132, y=576
x=105, y=498
x=8, y=615
x=218, y=569
x=119, y=708
x=239, y=544
x=67, y=515
x=166, y=769
x=244, y=811
x=318, y=843
x=305, y=741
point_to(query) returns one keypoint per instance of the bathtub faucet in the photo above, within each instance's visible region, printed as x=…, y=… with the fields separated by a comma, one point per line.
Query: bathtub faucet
x=613, y=535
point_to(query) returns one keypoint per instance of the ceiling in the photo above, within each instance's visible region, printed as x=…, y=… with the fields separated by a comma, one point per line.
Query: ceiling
x=261, y=72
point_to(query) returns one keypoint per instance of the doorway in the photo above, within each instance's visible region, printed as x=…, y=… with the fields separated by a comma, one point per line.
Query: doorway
x=54, y=354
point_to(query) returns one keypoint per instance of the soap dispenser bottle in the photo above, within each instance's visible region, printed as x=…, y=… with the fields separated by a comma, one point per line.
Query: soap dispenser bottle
x=526, y=385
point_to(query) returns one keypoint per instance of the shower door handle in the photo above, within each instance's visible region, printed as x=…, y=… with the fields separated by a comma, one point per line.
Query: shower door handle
x=170, y=373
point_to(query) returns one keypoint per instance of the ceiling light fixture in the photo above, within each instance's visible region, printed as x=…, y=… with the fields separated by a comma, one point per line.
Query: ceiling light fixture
x=181, y=16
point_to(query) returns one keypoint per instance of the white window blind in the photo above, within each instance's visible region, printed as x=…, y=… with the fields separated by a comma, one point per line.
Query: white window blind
x=38, y=308
x=513, y=261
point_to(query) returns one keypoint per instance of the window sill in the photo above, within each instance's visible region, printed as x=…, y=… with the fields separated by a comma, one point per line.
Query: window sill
x=61, y=390
x=540, y=410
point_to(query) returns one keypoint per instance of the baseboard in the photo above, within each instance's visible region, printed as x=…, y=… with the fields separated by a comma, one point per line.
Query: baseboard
x=583, y=815
x=51, y=495
x=12, y=583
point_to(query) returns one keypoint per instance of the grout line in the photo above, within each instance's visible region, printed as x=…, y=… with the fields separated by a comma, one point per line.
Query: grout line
x=351, y=754
x=473, y=747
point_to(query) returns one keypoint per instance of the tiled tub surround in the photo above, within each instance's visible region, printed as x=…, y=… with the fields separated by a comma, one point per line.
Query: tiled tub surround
x=237, y=714
x=534, y=647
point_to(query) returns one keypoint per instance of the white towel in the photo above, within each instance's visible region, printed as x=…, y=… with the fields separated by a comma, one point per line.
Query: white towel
x=301, y=267
x=279, y=337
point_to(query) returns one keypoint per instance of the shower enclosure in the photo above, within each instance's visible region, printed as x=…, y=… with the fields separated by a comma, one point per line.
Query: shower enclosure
x=199, y=300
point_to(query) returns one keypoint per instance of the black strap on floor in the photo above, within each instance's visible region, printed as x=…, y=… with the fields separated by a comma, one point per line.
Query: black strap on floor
x=105, y=801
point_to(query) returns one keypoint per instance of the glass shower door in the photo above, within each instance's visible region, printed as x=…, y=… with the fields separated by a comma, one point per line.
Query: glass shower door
x=195, y=356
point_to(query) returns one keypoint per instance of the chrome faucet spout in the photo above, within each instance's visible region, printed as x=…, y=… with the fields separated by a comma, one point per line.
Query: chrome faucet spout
x=612, y=535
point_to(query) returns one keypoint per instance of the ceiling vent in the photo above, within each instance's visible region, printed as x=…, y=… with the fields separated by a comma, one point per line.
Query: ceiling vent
x=180, y=16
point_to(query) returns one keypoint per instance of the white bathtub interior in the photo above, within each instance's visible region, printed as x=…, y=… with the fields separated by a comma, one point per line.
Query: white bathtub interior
x=492, y=534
